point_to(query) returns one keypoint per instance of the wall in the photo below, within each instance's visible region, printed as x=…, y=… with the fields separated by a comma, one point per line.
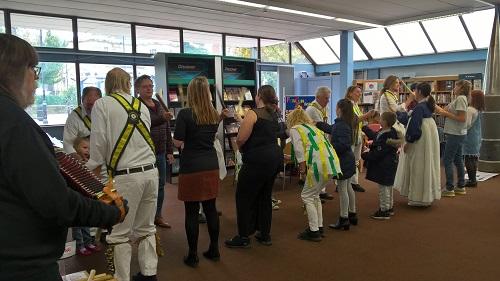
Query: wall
x=435, y=69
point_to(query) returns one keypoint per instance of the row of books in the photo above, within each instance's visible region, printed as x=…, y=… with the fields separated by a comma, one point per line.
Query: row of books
x=237, y=93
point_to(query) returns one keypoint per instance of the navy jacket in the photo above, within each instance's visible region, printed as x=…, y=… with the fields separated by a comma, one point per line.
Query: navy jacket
x=414, y=128
x=341, y=139
x=382, y=159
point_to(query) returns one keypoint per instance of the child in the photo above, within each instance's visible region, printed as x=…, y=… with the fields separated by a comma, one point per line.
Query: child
x=342, y=137
x=473, y=139
x=85, y=246
x=381, y=162
x=317, y=161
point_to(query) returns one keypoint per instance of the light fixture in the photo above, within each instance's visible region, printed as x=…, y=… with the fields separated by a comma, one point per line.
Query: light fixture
x=359, y=22
x=278, y=9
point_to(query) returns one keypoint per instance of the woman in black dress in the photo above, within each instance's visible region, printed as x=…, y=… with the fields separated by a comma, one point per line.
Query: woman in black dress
x=262, y=158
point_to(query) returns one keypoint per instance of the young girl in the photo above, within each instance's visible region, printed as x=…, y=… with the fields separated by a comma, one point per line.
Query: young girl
x=472, y=141
x=342, y=134
x=381, y=162
x=455, y=130
x=84, y=244
x=317, y=161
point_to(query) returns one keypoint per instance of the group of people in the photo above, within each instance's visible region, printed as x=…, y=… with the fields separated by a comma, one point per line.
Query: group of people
x=127, y=140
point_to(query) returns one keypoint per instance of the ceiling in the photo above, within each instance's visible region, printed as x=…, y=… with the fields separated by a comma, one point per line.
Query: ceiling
x=216, y=16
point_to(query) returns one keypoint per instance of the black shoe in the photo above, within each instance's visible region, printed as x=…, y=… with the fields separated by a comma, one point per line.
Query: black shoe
x=353, y=218
x=202, y=218
x=391, y=211
x=323, y=201
x=381, y=215
x=326, y=196
x=263, y=239
x=191, y=261
x=238, y=242
x=322, y=232
x=309, y=235
x=471, y=184
x=212, y=255
x=140, y=277
x=342, y=223
x=357, y=188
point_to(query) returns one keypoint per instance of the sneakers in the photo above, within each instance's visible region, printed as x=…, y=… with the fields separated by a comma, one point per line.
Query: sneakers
x=309, y=235
x=140, y=277
x=275, y=206
x=238, y=242
x=326, y=196
x=447, y=193
x=381, y=215
x=391, y=211
x=357, y=188
x=83, y=251
x=471, y=184
x=94, y=248
x=161, y=223
x=263, y=239
x=459, y=190
x=275, y=203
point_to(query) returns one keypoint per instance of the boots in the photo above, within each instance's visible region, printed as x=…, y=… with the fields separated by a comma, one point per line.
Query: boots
x=353, y=218
x=342, y=223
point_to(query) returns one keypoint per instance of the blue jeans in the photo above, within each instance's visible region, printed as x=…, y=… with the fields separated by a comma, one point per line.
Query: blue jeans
x=453, y=155
x=82, y=236
x=161, y=163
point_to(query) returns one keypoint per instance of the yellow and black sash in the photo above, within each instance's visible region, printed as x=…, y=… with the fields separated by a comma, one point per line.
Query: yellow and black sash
x=134, y=121
x=85, y=119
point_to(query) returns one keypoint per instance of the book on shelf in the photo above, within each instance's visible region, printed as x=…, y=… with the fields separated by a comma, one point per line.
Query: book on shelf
x=371, y=86
x=477, y=84
x=172, y=95
x=449, y=85
x=367, y=97
x=237, y=93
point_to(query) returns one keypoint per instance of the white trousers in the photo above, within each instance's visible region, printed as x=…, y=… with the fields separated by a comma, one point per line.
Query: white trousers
x=347, y=197
x=141, y=192
x=310, y=197
x=356, y=149
x=385, y=197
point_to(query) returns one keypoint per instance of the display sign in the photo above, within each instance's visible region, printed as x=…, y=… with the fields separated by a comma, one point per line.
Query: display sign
x=291, y=102
x=187, y=70
x=235, y=71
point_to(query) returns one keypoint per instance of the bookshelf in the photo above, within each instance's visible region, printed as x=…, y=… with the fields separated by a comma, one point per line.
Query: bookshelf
x=239, y=87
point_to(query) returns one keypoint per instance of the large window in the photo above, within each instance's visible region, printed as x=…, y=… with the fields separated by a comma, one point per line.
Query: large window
x=357, y=52
x=410, y=39
x=2, y=23
x=152, y=40
x=319, y=51
x=269, y=78
x=104, y=36
x=241, y=47
x=196, y=42
x=274, y=51
x=43, y=31
x=378, y=43
x=480, y=25
x=95, y=74
x=447, y=34
x=298, y=57
x=56, y=95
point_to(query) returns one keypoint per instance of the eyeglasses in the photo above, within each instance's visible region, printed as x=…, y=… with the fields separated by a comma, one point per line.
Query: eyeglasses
x=37, y=70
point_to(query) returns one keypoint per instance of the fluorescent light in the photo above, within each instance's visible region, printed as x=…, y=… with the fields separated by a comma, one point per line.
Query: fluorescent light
x=299, y=12
x=244, y=3
x=359, y=22
x=279, y=9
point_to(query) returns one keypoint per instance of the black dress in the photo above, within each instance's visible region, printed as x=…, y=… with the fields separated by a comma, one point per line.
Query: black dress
x=262, y=159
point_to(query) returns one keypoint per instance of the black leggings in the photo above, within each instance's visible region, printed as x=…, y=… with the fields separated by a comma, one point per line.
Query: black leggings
x=192, y=226
x=471, y=166
x=253, y=200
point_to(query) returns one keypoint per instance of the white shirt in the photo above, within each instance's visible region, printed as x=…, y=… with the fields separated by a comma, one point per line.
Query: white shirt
x=472, y=115
x=108, y=121
x=315, y=114
x=387, y=103
x=74, y=128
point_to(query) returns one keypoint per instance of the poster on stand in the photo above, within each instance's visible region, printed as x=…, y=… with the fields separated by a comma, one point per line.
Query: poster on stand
x=291, y=102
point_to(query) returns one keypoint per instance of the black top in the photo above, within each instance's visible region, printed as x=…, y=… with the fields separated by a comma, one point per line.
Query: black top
x=36, y=206
x=262, y=146
x=199, y=152
x=160, y=129
x=382, y=159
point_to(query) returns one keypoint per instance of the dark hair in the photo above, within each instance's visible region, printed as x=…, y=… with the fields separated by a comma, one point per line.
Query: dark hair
x=389, y=117
x=89, y=89
x=16, y=55
x=139, y=80
x=413, y=87
x=268, y=96
x=477, y=100
x=425, y=90
x=348, y=116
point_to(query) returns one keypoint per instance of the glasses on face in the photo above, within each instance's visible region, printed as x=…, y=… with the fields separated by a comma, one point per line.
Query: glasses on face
x=37, y=70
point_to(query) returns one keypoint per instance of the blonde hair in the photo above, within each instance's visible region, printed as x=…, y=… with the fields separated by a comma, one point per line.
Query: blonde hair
x=200, y=101
x=297, y=117
x=388, y=82
x=117, y=79
x=322, y=91
x=464, y=88
x=78, y=141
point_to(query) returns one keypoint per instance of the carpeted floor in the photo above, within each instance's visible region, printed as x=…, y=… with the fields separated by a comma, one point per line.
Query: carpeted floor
x=455, y=239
